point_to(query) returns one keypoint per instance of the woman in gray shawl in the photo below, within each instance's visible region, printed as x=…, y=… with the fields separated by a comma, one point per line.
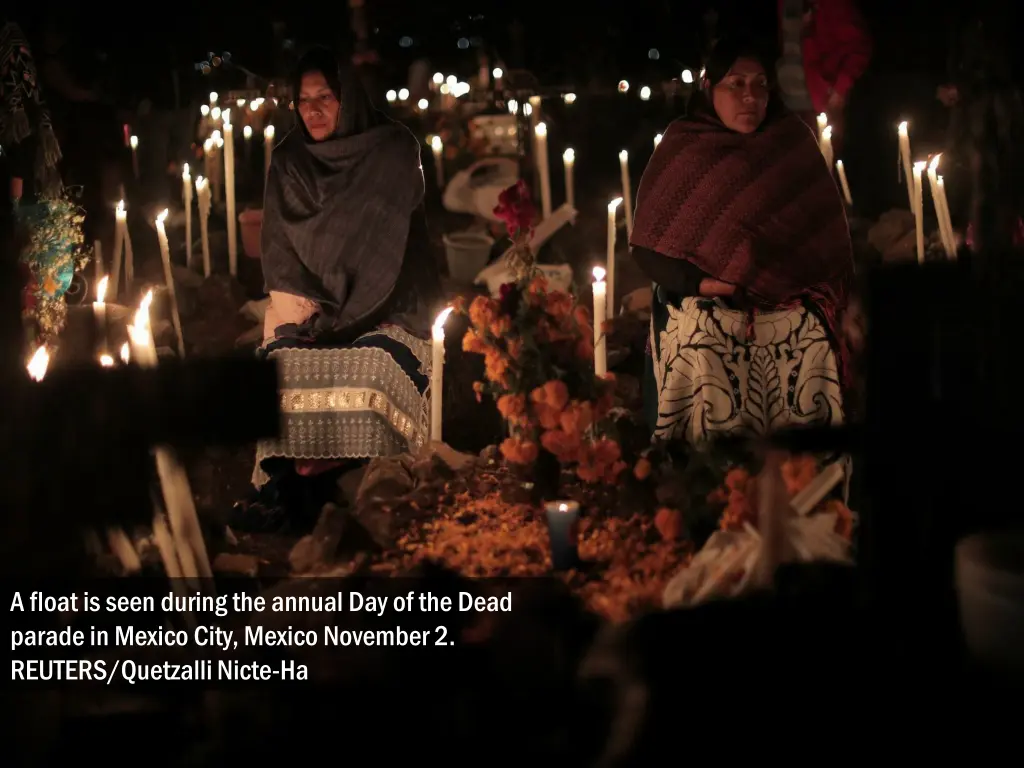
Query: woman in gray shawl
x=353, y=291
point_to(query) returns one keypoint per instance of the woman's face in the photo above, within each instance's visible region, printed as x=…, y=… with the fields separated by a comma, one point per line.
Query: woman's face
x=318, y=106
x=741, y=98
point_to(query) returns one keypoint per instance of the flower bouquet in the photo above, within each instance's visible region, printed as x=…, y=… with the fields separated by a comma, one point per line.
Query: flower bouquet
x=52, y=255
x=538, y=353
x=781, y=514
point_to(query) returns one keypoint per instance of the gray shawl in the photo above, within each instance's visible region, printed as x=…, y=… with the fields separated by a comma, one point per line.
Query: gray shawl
x=336, y=219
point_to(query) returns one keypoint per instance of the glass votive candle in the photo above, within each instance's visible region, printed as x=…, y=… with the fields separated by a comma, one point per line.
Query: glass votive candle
x=563, y=531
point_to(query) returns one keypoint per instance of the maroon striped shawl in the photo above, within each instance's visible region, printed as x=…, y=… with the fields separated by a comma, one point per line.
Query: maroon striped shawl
x=759, y=210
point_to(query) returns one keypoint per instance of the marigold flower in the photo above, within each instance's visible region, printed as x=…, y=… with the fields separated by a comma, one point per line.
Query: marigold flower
x=642, y=470
x=669, y=523
x=519, y=451
x=495, y=365
x=564, y=445
x=483, y=311
x=512, y=408
x=473, y=342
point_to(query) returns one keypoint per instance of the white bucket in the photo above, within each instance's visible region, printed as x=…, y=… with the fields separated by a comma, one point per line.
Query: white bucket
x=467, y=254
x=990, y=588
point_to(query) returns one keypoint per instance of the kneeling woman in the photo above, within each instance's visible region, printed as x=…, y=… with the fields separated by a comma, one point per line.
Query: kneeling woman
x=741, y=227
x=353, y=290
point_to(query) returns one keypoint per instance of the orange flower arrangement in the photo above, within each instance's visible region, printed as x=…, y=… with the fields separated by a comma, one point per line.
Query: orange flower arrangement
x=538, y=351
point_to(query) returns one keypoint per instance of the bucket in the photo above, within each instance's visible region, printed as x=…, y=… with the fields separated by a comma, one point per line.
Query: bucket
x=467, y=254
x=251, y=225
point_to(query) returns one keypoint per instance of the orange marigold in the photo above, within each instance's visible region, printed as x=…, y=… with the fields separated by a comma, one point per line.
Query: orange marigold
x=669, y=523
x=473, y=342
x=519, y=451
x=513, y=408
x=798, y=472
x=642, y=470
x=563, y=445
x=483, y=311
x=600, y=461
x=478, y=388
x=576, y=417
x=496, y=366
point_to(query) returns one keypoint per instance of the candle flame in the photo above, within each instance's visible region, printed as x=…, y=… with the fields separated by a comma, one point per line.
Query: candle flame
x=215, y=136
x=614, y=204
x=268, y=132
x=438, y=78
x=839, y=164
x=938, y=181
x=247, y=132
x=541, y=130
x=436, y=143
x=38, y=364
x=204, y=110
x=200, y=182
x=919, y=166
x=903, y=128
x=240, y=102
x=934, y=164
x=657, y=139
x=826, y=132
x=208, y=146
x=120, y=207
x=687, y=76
x=569, y=98
x=185, y=172
x=106, y=361
x=161, y=217
x=215, y=113
x=563, y=507
x=226, y=117
x=599, y=274
x=623, y=156
x=126, y=352
x=569, y=156
x=213, y=97
x=101, y=289
x=442, y=318
x=134, y=141
x=822, y=119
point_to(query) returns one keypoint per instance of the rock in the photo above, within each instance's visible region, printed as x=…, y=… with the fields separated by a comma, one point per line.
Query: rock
x=491, y=455
x=457, y=461
x=426, y=496
x=320, y=547
x=236, y=564
x=387, y=478
x=379, y=521
x=348, y=485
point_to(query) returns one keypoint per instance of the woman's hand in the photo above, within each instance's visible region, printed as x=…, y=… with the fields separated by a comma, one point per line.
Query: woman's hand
x=716, y=288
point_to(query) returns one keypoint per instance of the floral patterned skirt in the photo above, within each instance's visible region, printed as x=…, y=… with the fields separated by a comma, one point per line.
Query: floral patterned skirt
x=369, y=398
x=712, y=374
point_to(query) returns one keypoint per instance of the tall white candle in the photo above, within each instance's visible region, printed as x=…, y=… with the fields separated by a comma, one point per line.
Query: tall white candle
x=841, y=169
x=941, y=215
x=534, y=113
x=627, y=196
x=268, y=147
x=203, y=196
x=568, y=162
x=120, y=229
x=822, y=121
x=940, y=188
x=229, y=187
x=129, y=257
x=543, y=168
x=610, y=265
x=919, y=209
x=247, y=139
x=186, y=190
x=165, y=254
x=600, y=313
x=904, y=135
x=826, y=146
x=99, y=309
x=437, y=374
x=438, y=148
x=133, y=142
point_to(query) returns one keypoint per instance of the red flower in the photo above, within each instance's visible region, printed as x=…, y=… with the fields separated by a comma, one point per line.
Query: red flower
x=515, y=208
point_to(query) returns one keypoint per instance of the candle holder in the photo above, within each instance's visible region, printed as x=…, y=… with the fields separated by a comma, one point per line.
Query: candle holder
x=563, y=530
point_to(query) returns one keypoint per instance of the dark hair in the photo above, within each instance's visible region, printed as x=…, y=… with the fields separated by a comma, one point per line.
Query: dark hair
x=357, y=111
x=727, y=51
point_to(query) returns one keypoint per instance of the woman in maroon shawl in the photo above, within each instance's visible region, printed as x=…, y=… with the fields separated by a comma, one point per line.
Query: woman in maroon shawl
x=740, y=226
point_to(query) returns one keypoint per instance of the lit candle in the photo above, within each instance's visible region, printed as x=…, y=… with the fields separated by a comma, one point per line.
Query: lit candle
x=99, y=309
x=247, y=138
x=435, y=85
x=126, y=353
x=229, y=187
x=120, y=230
x=204, y=110
x=941, y=215
x=568, y=161
x=563, y=531
x=216, y=170
x=165, y=254
x=543, y=168
x=627, y=199
x=534, y=113
x=657, y=140
x=214, y=97
x=843, y=182
x=610, y=265
x=498, y=74
x=186, y=189
x=143, y=350
x=38, y=364
x=600, y=313
x=106, y=361
x=826, y=146
x=437, y=374
x=268, y=147
x=904, y=135
x=822, y=122
x=438, y=146
x=918, y=209
x=134, y=144
x=203, y=195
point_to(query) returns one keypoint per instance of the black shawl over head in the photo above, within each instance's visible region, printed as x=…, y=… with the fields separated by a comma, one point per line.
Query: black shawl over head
x=337, y=213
